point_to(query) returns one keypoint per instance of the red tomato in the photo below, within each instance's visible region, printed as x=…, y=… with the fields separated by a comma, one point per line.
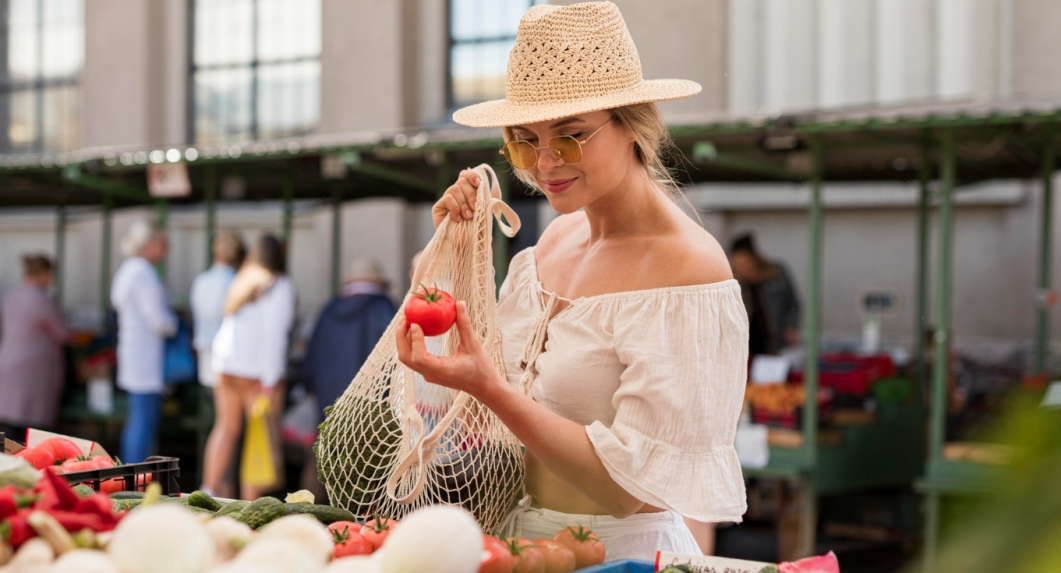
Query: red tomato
x=84, y=463
x=433, y=309
x=50, y=452
x=585, y=544
x=347, y=541
x=112, y=485
x=558, y=558
x=496, y=556
x=526, y=556
x=376, y=531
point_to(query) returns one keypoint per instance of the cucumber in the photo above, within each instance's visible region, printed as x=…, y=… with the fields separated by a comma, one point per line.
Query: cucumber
x=325, y=514
x=233, y=507
x=195, y=509
x=261, y=511
x=83, y=490
x=125, y=504
x=127, y=496
x=203, y=500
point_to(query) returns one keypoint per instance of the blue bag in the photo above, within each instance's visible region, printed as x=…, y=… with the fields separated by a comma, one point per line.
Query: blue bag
x=178, y=363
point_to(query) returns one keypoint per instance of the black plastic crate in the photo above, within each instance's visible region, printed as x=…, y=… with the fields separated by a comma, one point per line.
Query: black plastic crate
x=162, y=470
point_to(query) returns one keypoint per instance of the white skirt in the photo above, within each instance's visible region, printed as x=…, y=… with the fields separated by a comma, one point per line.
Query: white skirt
x=639, y=536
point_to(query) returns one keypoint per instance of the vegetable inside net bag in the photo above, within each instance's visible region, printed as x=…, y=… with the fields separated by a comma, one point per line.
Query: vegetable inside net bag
x=393, y=442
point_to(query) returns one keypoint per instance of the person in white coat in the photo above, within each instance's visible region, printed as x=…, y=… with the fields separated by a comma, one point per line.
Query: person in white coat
x=144, y=322
x=250, y=358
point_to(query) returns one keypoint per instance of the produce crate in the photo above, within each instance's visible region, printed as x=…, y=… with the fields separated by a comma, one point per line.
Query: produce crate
x=621, y=566
x=134, y=477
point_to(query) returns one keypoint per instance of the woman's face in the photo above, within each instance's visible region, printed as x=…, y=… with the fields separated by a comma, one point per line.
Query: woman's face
x=607, y=159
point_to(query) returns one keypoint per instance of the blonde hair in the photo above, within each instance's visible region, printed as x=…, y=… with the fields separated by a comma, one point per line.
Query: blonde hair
x=259, y=272
x=652, y=143
x=138, y=236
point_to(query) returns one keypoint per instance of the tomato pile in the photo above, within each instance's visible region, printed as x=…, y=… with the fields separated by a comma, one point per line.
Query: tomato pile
x=65, y=457
x=353, y=538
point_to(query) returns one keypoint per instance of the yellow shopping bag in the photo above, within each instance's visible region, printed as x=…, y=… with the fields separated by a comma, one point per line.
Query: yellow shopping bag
x=257, y=467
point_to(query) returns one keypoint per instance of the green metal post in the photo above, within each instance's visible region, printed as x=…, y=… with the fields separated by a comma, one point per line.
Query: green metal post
x=500, y=240
x=812, y=325
x=942, y=337
x=210, y=193
x=163, y=221
x=105, y=264
x=337, y=237
x=1042, y=326
x=289, y=196
x=922, y=265
x=931, y=530
x=60, y=253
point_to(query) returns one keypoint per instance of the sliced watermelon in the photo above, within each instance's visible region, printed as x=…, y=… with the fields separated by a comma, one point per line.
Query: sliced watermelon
x=819, y=564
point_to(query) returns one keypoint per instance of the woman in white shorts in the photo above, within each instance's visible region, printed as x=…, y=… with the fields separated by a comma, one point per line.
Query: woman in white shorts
x=624, y=322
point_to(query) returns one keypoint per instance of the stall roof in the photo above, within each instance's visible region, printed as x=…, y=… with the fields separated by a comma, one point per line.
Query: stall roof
x=998, y=139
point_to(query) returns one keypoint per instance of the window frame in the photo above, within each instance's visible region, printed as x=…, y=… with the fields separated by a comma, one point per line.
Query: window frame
x=37, y=86
x=254, y=66
x=451, y=43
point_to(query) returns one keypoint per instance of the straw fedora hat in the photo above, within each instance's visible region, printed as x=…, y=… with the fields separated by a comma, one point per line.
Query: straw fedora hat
x=569, y=60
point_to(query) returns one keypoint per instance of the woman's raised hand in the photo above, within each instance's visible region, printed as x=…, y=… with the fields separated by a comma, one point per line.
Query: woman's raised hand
x=469, y=369
x=459, y=199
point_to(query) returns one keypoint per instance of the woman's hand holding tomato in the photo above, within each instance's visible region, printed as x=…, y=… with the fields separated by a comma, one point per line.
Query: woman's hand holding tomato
x=432, y=309
x=469, y=369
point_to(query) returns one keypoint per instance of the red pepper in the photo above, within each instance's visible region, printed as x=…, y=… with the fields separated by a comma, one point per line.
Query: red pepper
x=74, y=522
x=64, y=495
x=8, y=505
x=15, y=530
x=47, y=499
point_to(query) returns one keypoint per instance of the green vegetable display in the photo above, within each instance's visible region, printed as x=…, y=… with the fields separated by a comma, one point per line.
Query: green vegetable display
x=203, y=500
x=233, y=507
x=260, y=511
x=325, y=514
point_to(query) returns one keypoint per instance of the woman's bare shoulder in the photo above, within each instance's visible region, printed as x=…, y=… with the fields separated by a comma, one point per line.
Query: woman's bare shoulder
x=692, y=258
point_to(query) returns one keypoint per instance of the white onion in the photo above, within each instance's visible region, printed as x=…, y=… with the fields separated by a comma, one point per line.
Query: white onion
x=164, y=538
x=440, y=539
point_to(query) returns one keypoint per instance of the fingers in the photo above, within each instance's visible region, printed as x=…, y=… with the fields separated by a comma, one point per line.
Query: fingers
x=468, y=336
x=401, y=339
x=420, y=356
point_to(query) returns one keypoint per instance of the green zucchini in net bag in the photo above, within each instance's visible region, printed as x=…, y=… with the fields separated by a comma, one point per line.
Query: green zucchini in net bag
x=362, y=453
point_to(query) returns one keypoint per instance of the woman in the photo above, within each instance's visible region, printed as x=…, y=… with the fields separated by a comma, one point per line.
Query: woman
x=250, y=357
x=144, y=322
x=31, y=352
x=636, y=388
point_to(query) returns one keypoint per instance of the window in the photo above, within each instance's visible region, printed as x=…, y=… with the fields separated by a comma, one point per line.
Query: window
x=481, y=33
x=255, y=69
x=40, y=99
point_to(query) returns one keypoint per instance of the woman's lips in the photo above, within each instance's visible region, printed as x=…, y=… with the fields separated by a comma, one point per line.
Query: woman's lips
x=559, y=185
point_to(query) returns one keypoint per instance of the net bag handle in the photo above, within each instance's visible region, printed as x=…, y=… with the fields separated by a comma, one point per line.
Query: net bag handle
x=488, y=206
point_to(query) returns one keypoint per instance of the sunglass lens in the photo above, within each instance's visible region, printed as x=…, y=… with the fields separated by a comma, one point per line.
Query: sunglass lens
x=566, y=149
x=521, y=154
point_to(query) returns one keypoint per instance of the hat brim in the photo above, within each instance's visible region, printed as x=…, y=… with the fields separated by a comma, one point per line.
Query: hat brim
x=504, y=112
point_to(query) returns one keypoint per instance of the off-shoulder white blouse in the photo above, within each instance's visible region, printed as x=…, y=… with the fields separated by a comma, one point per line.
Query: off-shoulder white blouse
x=657, y=377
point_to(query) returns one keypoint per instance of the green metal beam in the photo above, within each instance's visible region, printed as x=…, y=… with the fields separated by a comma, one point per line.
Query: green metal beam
x=1046, y=216
x=289, y=197
x=942, y=337
x=210, y=195
x=920, y=321
x=812, y=323
x=73, y=174
x=105, y=264
x=162, y=208
x=392, y=175
x=706, y=152
x=60, y=252
x=337, y=237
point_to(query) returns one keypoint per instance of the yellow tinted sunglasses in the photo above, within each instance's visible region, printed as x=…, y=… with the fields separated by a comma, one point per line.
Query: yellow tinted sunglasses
x=565, y=148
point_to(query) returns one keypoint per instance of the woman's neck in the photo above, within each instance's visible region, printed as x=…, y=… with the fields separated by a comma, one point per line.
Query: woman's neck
x=636, y=206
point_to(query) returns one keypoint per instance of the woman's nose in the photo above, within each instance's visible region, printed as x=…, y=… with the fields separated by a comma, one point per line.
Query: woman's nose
x=547, y=161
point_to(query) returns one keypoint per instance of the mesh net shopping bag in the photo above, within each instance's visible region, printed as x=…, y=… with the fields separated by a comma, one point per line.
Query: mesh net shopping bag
x=393, y=442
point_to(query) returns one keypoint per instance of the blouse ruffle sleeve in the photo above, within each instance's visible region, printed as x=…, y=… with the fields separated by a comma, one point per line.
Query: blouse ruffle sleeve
x=671, y=443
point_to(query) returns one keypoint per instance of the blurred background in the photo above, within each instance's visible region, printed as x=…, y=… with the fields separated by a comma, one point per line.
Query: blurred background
x=889, y=163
